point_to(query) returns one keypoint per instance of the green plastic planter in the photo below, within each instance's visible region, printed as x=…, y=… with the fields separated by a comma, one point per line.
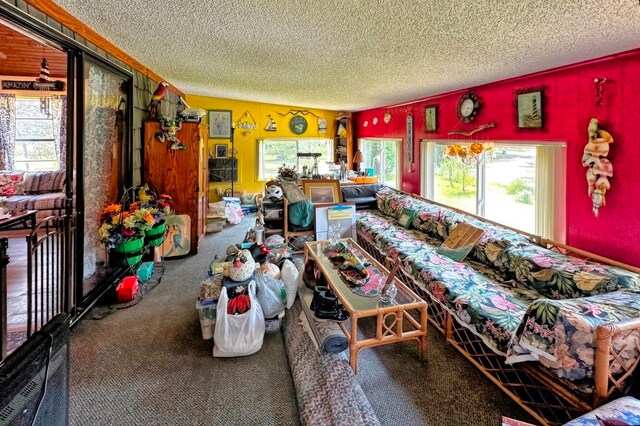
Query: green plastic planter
x=129, y=253
x=153, y=237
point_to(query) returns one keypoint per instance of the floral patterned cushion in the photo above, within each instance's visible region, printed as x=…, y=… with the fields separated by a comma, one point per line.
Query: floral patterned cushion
x=11, y=183
x=391, y=202
x=626, y=411
x=558, y=276
x=493, y=310
x=561, y=333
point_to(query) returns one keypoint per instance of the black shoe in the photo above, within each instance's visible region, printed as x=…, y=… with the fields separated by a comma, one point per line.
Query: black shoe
x=335, y=315
x=317, y=290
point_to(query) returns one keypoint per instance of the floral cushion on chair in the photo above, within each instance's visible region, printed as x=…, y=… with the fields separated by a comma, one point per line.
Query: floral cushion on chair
x=561, y=333
x=391, y=202
x=558, y=276
x=11, y=183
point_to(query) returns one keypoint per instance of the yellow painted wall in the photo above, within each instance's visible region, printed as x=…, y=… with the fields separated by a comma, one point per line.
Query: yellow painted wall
x=246, y=144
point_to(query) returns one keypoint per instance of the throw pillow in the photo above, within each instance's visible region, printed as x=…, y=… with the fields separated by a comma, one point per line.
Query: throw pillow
x=292, y=192
x=11, y=183
x=460, y=242
x=406, y=217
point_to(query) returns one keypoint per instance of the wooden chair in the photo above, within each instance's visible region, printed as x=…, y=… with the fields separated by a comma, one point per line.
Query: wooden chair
x=295, y=236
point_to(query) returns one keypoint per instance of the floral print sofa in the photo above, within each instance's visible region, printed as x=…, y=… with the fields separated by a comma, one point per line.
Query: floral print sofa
x=525, y=302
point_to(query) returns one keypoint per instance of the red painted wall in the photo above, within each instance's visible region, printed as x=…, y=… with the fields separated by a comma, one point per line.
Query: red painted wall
x=569, y=104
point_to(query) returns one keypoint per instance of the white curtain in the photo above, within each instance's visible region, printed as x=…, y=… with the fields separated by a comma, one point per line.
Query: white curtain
x=59, y=116
x=545, y=190
x=7, y=131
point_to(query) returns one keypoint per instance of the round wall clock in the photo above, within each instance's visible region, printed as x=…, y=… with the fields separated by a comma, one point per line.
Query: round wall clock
x=468, y=107
x=298, y=125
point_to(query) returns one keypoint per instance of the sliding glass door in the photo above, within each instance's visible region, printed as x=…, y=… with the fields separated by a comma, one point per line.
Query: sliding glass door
x=104, y=161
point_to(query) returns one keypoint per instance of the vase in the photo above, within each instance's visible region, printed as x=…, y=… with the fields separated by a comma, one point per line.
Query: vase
x=129, y=252
x=154, y=236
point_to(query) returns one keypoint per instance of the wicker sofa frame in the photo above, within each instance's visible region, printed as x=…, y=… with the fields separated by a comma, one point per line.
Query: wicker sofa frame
x=549, y=399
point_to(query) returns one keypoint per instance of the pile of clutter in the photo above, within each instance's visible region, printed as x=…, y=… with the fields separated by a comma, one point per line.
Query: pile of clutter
x=220, y=212
x=245, y=295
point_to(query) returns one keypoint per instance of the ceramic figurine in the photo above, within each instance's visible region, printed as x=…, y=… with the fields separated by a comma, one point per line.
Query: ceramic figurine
x=156, y=98
x=600, y=168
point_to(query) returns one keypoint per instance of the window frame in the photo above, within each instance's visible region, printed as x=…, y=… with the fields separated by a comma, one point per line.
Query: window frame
x=553, y=222
x=261, y=141
x=398, y=143
x=33, y=140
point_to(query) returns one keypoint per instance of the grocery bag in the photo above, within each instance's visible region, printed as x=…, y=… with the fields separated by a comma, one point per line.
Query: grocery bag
x=238, y=335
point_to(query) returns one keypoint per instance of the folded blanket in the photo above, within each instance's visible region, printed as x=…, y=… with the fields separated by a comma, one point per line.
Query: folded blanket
x=327, y=336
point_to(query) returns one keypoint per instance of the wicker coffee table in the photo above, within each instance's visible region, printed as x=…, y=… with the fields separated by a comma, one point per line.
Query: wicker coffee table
x=393, y=323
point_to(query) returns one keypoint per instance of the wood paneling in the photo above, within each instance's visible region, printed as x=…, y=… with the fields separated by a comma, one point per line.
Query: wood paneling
x=21, y=56
x=181, y=174
x=63, y=17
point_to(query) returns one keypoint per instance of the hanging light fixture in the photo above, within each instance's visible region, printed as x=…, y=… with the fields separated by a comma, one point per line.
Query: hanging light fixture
x=43, y=82
x=468, y=154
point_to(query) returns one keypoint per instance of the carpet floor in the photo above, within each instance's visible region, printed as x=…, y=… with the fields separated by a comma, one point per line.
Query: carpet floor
x=147, y=365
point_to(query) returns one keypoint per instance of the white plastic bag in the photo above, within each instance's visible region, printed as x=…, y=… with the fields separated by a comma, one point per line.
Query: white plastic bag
x=289, y=276
x=271, y=295
x=238, y=335
x=234, y=213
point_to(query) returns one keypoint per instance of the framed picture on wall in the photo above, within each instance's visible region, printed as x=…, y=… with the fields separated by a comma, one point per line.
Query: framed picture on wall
x=431, y=118
x=222, y=151
x=219, y=124
x=322, y=190
x=530, y=108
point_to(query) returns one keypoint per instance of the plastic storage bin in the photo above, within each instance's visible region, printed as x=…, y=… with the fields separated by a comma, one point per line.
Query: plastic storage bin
x=215, y=225
x=272, y=325
x=207, y=311
x=144, y=271
x=127, y=289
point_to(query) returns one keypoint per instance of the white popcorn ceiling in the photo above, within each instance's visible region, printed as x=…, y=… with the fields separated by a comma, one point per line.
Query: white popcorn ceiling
x=353, y=55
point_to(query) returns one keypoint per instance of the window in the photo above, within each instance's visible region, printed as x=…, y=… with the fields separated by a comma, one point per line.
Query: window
x=514, y=184
x=273, y=153
x=35, y=141
x=382, y=155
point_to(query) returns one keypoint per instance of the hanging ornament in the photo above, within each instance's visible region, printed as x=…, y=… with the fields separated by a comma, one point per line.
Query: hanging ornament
x=600, y=168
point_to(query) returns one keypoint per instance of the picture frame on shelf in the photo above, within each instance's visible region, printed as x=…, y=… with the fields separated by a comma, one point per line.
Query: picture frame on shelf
x=222, y=151
x=431, y=118
x=219, y=123
x=530, y=107
x=321, y=191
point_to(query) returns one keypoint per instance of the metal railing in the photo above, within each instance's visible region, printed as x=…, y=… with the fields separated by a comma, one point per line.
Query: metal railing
x=4, y=261
x=49, y=270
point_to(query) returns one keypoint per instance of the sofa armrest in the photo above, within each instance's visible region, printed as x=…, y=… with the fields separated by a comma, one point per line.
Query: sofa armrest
x=607, y=353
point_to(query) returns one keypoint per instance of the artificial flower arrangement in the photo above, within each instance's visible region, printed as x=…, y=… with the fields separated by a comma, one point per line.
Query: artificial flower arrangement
x=118, y=225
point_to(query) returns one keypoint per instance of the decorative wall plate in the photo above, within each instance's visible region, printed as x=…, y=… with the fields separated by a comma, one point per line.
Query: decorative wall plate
x=375, y=120
x=298, y=125
x=387, y=117
x=365, y=124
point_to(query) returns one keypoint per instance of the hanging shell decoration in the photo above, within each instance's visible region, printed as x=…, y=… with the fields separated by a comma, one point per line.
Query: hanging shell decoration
x=600, y=168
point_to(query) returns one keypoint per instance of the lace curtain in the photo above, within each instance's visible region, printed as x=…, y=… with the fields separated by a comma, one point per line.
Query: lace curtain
x=59, y=116
x=7, y=131
x=100, y=142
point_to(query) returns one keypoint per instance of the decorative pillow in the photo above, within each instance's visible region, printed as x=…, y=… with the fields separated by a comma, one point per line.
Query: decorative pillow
x=292, y=192
x=11, y=183
x=406, y=217
x=44, y=182
x=391, y=202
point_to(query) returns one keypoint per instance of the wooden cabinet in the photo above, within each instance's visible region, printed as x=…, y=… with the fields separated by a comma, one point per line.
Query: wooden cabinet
x=344, y=143
x=183, y=174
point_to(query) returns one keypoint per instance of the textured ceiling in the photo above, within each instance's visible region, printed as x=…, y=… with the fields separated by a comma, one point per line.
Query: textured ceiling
x=354, y=55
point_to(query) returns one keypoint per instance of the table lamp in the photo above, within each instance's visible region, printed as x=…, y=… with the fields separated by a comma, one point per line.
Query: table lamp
x=357, y=158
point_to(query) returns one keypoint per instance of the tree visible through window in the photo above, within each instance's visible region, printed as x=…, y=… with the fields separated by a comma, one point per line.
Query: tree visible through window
x=273, y=153
x=381, y=155
x=35, y=142
x=513, y=184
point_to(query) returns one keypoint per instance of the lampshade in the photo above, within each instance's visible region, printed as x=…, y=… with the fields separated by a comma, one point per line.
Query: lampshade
x=357, y=158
